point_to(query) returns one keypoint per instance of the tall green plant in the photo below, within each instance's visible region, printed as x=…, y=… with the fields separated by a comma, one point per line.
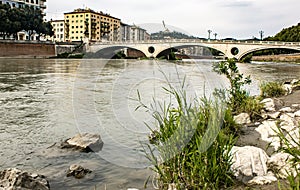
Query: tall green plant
x=190, y=144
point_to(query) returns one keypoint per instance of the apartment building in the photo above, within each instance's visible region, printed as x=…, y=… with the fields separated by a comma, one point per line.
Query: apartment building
x=40, y=4
x=59, y=31
x=133, y=33
x=95, y=26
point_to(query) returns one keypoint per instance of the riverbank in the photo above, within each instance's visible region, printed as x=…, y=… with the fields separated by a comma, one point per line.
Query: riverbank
x=278, y=58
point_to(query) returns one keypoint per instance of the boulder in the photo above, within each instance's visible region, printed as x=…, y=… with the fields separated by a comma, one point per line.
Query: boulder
x=248, y=162
x=287, y=122
x=268, y=131
x=288, y=88
x=279, y=164
x=85, y=142
x=263, y=180
x=243, y=118
x=77, y=171
x=269, y=104
x=297, y=113
x=273, y=115
x=13, y=178
x=286, y=109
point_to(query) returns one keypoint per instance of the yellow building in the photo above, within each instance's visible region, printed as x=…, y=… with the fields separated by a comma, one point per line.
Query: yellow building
x=95, y=26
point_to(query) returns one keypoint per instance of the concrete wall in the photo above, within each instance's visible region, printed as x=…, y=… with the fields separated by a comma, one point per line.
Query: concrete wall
x=26, y=49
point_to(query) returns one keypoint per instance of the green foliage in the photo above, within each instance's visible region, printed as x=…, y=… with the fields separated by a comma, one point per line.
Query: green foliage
x=237, y=95
x=271, y=89
x=193, y=143
x=291, y=145
x=246, y=59
x=291, y=34
x=14, y=20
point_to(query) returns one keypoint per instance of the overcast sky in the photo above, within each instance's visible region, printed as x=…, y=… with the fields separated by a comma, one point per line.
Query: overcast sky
x=239, y=19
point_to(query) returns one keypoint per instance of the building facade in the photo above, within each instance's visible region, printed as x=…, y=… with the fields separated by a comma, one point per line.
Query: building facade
x=59, y=31
x=95, y=26
x=40, y=4
x=133, y=33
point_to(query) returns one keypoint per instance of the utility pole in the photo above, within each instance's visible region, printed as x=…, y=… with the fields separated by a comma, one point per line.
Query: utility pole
x=215, y=34
x=209, y=31
x=261, y=33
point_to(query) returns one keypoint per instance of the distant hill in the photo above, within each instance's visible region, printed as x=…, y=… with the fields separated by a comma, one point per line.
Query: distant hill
x=291, y=34
x=170, y=35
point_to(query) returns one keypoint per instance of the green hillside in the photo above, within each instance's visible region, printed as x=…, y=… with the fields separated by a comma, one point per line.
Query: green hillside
x=291, y=34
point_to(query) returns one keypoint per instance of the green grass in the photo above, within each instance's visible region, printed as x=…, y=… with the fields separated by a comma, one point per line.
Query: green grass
x=191, y=143
x=271, y=89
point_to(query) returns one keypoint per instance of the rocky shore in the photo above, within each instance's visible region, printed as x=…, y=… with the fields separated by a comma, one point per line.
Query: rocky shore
x=257, y=159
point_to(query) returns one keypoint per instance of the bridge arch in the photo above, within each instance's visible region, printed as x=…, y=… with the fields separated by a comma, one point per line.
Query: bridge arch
x=174, y=46
x=245, y=53
x=109, y=51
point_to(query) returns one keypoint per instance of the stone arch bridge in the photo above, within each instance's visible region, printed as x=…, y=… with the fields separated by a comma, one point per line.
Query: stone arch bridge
x=230, y=49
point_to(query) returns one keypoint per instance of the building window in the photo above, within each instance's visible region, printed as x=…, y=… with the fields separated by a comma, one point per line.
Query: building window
x=72, y=16
x=61, y=24
x=87, y=15
x=37, y=2
x=67, y=16
x=61, y=36
x=32, y=1
x=76, y=15
x=0, y=2
x=72, y=26
x=76, y=26
x=53, y=25
x=61, y=30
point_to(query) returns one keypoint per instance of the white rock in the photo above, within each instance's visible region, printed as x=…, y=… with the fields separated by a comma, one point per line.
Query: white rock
x=286, y=109
x=295, y=105
x=243, y=118
x=287, y=122
x=132, y=189
x=269, y=104
x=293, y=137
x=87, y=142
x=262, y=180
x=248, y=162
x=297, y=113
x=288, y=88
x=279, y=162
x=294, y=81
x=273, y=115
x=268, y=131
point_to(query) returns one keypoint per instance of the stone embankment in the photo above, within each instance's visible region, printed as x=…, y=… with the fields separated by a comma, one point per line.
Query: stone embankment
x=278, y=58
x=257, y=159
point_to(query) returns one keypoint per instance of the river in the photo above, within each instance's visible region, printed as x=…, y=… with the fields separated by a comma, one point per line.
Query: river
x=46, y=101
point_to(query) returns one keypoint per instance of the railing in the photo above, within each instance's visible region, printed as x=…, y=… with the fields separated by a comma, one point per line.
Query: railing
x=276, y=43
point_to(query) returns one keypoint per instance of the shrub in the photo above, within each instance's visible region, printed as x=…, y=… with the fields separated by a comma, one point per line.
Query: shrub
x=238, y=99
x=271, y=89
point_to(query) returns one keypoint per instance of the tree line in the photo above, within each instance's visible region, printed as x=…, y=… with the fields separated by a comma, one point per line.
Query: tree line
x=28, y=18
x=291, y=34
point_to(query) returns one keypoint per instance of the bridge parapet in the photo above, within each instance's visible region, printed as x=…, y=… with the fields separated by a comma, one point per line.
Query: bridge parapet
x=231, y=48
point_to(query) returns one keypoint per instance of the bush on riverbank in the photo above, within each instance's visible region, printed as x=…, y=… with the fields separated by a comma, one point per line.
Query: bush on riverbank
x=237, y=98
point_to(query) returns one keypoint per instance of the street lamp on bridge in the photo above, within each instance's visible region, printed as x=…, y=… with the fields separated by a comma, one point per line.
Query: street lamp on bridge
x=261, y=33
x=215, y=34
x=209, y=31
